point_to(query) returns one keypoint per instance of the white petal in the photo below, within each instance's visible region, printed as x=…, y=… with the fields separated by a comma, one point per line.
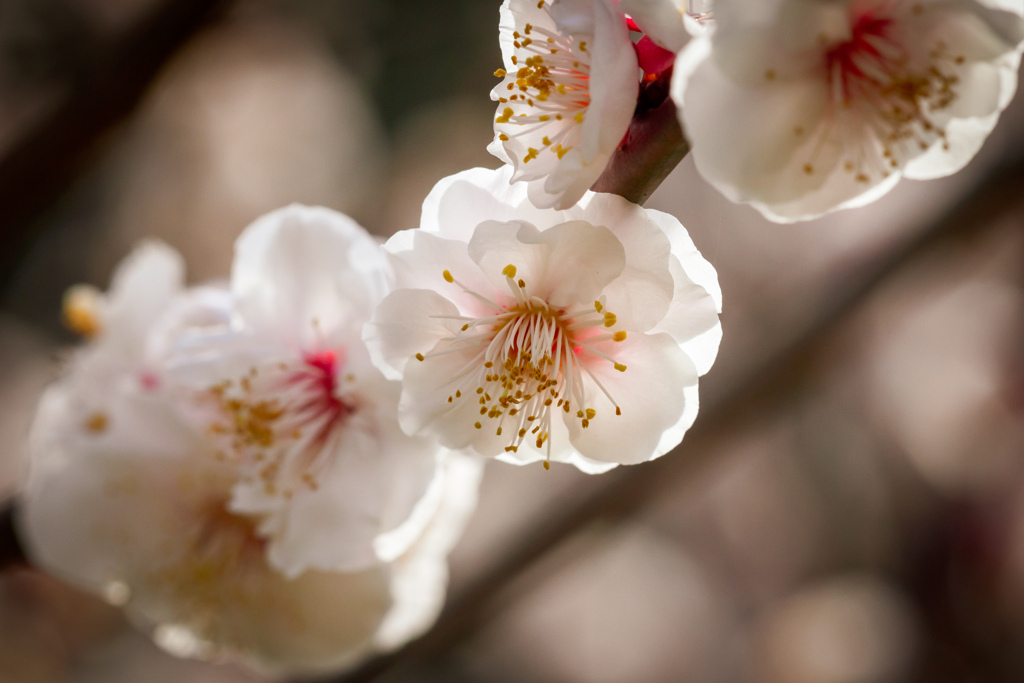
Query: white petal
x=407, y=322
x=141, y=288
x=649, y=393
x=565, y=265
x=420, y=578
x=662, y=20
x=305, y=273
x=640, y=295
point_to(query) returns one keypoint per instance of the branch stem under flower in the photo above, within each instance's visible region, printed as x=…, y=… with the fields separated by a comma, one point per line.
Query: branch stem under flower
x=652, y=147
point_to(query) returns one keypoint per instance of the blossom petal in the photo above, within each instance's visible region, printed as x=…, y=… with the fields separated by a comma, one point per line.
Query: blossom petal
x=565, y=265
x=420, y=577
x=407, y=322
x=662, y=20
x=649, y=393
x=305, y=273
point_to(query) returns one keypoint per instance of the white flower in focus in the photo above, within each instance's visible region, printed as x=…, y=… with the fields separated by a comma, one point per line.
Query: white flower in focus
x=567, y=95
x=290, y=394
x=534, y=334
x=130, y=497
x=801, y=107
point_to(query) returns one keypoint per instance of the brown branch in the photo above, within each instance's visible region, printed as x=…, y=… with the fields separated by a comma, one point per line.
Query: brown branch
x=651, y=149
x=761, y=391
x=43, y=163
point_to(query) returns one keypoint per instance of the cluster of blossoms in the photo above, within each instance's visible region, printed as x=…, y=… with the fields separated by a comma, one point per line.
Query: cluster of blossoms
x=224, y=460
x=798, y=107
x=276, y=468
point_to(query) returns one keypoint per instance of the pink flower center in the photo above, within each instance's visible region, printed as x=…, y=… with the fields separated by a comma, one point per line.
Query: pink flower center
x=527, y=361
x=887, y=82
x=285, y=418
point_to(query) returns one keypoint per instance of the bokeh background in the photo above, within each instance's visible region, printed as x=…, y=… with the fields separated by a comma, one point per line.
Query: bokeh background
x=849, y=507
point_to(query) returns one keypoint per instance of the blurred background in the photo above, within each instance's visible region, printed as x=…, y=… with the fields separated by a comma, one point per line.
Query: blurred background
x=849, y=507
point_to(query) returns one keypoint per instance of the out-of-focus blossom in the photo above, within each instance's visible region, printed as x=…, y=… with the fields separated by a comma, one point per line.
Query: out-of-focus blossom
x=939, y=385
x=800, y=107
x=846, y=629
x=567, y=94
x=533, y=334
x=291, y=397
x=174, y=502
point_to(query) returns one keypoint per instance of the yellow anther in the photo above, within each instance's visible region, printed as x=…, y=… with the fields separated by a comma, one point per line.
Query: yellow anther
x=81, y=312
x=419, y=356
x=503, y=137
x=619, y=336
x=620, y=367
x=477, y=425
x=579, y=117
x=618, y=410
x=509, y=271
x=506, y=114
x=500, y=73
x=591, y=413
x=448, y=276
x=609, y=319
x=97, y=423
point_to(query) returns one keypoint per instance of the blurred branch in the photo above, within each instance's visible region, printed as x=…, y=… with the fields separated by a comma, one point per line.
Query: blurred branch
x=653, y=146
x=11, y=553
x=760, y=391
x=108, y=82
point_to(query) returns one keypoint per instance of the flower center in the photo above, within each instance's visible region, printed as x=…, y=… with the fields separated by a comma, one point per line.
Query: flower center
x=549, y=93
x=528, y=361
x=284, y=419
x=873, y=76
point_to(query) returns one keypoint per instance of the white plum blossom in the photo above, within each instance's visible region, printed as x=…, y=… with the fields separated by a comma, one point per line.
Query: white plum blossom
x=800, y=107
x=535, y=334
x=567, y=94
x=288, y=391
x=141, y=492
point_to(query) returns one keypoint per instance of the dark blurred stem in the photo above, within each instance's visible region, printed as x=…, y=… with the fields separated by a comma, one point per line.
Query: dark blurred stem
x=653, y=146
x=12, y=555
